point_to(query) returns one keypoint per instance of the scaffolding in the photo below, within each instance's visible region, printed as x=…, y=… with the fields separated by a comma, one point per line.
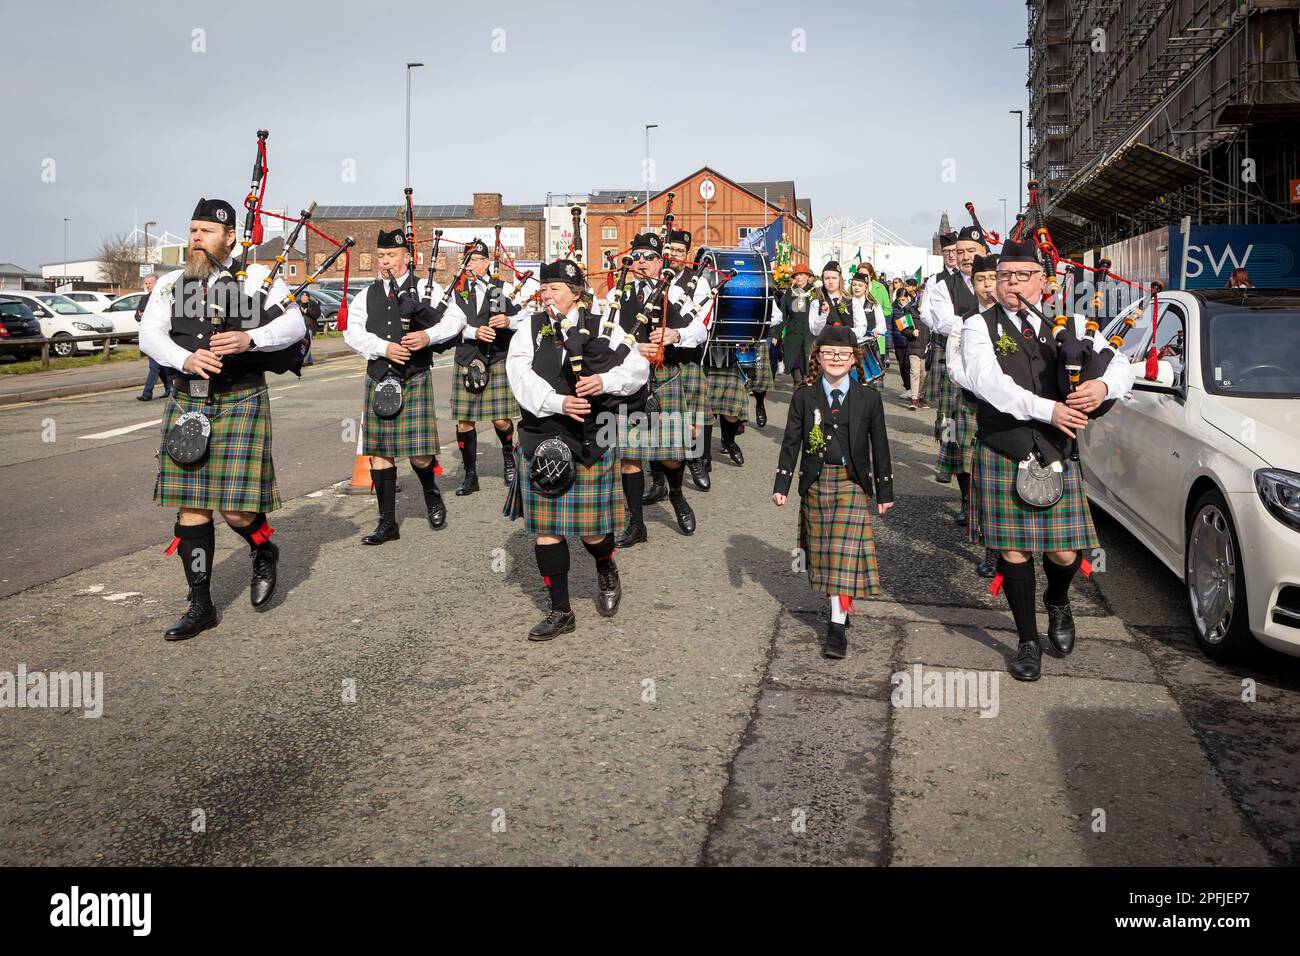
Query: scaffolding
x=1210, y=85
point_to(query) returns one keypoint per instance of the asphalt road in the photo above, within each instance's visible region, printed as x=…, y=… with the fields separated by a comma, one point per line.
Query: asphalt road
x=385, y=708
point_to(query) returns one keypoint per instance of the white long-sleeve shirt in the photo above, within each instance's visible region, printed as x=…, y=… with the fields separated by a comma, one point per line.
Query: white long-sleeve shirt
x=540, y=397
x=938, y=311
x=693, y=335
x=371, y=346
x=987, y=380
x=817, y=320
x=478, y=292
x=926, y=301
x=156, y=320
x=868, y=317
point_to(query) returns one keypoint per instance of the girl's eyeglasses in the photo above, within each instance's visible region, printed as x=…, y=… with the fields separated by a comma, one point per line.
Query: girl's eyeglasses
x=836, y=355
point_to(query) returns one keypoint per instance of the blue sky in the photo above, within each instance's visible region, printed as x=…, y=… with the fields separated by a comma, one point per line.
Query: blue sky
x=135, y=118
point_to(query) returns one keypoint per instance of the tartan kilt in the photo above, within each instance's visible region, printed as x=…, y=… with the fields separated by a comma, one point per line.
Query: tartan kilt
x=494, y=403
x=237, y=473
x=761, y=380
x=946, y=397
x=836, y=536
x=957, y=457
x=1008, y=524
x=592, y=507
x=692, y=379
x=724, y=393
x=664, y=435
x=936, y=376
x=412, y=432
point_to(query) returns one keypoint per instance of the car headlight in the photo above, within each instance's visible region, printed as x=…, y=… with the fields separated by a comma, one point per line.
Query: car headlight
x=83, y=326
x=1280, y=492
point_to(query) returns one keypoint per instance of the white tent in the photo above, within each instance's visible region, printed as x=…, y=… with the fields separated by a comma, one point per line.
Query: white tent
x=842, y=239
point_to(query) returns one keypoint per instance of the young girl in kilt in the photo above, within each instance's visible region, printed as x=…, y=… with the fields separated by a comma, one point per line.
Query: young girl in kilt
x=566, y=375
x=838, y=426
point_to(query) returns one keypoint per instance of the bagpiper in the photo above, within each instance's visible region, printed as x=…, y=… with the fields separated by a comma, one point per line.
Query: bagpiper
x=567, y=370
x=479, y=389
x=1028, y=489
x=220, y=331
x=393, y=324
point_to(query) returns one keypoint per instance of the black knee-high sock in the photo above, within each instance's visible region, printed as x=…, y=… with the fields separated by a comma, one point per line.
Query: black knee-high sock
x=553, y=563
x=386, y=490
x=963, y=482
x=1018, y=584
x=602, y=551
x=428, y=481
x=729, y=429
x=633, y=489
x=468, y=443
x=1059, y=578
x=196, y=545
x=674, y=476
x=507, y=437
x=708, y=442
x=257, y=532
x=759, y=396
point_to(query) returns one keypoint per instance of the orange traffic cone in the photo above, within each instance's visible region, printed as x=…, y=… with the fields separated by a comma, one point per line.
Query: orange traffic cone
x=360, y=483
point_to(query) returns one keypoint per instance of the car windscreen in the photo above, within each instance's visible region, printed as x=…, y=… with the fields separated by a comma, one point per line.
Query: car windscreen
x=62, y=305
x=16, y=310
x=1253, y=353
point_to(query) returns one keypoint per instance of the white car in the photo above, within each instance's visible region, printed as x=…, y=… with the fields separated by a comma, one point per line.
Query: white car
x=90, y=301
x=62, y=318
x=1203, y=465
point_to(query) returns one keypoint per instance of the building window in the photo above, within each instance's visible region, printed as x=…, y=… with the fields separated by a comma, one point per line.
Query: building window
x=608, y=233
x=293, y=270
x=367, y=262
x=743, y=232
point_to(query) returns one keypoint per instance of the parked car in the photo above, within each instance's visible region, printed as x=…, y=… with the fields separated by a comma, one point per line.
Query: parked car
x=1202, y=465
x=18, y=322
x=61, y=320
x=125, y=304
x=329, y=307
x=91, y=301
x=335, y=287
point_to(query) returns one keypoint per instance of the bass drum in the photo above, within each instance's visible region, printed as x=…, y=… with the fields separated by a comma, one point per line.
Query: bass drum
x=744, y=306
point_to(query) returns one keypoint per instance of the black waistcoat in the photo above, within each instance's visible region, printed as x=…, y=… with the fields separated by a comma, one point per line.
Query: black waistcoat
x=384, y=319
x=553, y=365
x=477, y=314
x=1032, y=366
x=202, y=307
x=964, y=301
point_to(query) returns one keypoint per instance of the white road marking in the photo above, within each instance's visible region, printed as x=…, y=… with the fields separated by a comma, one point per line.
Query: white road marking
x=125, y=430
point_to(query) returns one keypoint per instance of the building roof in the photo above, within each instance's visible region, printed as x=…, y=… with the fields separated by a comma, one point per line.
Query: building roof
x=423, y=212
x=271, y=248
x=11, y=269
x=746, y=187
x=614, y=195
x=805, y=210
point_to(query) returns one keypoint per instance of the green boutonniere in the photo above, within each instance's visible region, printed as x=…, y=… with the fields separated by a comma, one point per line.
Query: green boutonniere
x=547, y=329
x=844, y=308
x=1005, y=344
x=816, y=440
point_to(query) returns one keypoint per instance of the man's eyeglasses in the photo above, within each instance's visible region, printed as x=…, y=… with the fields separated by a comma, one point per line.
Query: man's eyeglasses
x=836, y=355
x=647, y=256
x=1005, y=275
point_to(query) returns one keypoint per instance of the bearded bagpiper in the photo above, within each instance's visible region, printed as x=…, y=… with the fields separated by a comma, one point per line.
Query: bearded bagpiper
x=220, y=331
x=568, y=371
x=393, y=325
x=1028, y=490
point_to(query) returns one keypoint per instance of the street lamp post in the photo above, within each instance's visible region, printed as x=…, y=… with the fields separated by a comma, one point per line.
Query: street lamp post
x=646, y=172
x=66, y=220
x=146, y=238
x=409, y=67
x=1020, y=159
x=1004, y=216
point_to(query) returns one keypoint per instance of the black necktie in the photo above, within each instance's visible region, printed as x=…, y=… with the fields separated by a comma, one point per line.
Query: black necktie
x=1023, y=316
x=392, y=290
x=834, y=451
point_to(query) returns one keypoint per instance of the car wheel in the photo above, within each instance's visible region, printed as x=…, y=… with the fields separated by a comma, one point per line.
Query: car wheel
x=61, y=348
x=1216, y=580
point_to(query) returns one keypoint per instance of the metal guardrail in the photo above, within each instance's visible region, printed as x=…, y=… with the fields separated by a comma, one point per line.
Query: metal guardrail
x=12, y=344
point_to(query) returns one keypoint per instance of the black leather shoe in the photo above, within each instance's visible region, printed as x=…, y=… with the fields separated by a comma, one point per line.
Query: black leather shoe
x=468, y=485
x=265, y=560
x=437, y=513
x=988, y=568
x=611, y=591
x=943, y=478
x=699, y=474
x=633, y=533
x=685, y=514
x=1028, y=663
x=144, y=398
x=657, y=491
x=198, y=617
x=760, y=413
x=1060, y=627
x=960, y=518
x=708, y=465
x=553, y=625
x=736, y=454
x=508, y=461
x=386, y=530
x=837, y=642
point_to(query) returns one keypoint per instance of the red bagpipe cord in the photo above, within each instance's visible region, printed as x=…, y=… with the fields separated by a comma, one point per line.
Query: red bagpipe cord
x=261, y=195
x=342, y=318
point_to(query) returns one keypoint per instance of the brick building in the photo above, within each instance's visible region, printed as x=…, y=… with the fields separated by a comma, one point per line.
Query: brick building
x=615, y=216
x=295, y=261
x=521, y=233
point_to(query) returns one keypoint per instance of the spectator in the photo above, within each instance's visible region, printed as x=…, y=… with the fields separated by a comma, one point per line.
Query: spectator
x=881, y=295
x=155, y=370
x=1240, y=279
x=898, y=338
x=918, y=342
x=311, y=319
